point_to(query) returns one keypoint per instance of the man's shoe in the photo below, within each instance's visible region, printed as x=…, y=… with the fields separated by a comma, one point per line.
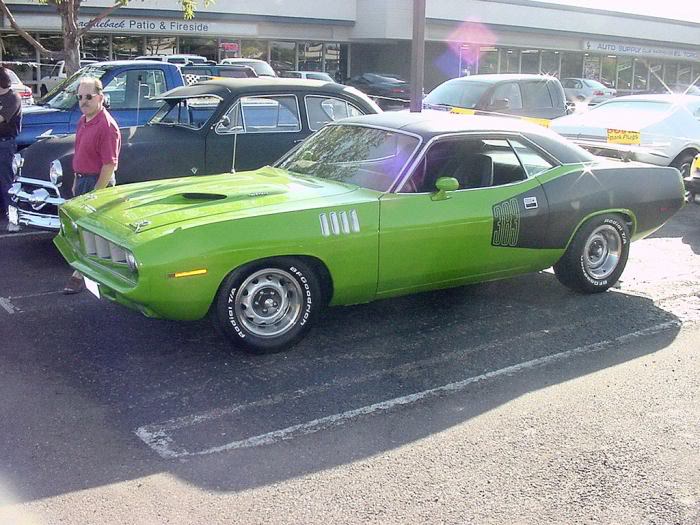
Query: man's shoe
x=74, y=285
x=13, y=227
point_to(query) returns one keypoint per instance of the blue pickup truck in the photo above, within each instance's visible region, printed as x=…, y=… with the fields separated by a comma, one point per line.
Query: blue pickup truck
x=129, y=86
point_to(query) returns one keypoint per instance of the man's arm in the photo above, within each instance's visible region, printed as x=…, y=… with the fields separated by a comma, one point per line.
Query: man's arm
x=105, y=176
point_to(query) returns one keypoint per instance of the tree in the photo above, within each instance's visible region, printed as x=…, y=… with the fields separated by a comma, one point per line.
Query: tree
x=69, y=10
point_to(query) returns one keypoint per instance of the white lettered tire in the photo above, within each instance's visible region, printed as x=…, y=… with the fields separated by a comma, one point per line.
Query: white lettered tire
x=268, y=305
x=597, y=255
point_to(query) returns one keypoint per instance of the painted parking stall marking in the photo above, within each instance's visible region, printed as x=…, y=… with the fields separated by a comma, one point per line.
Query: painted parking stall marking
x=160, y=437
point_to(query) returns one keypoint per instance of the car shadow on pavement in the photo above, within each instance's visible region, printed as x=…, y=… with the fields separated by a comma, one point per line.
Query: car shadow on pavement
x=87, y=376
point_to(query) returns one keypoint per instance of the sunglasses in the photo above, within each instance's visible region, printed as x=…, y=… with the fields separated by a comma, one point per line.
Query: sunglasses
x=86, y=97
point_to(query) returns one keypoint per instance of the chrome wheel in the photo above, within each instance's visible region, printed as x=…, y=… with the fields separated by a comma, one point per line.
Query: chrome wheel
x=269, y=302
x=602, y=252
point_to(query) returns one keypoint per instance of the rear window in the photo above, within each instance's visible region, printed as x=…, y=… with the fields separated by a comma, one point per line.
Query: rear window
x=537, y=95
x=457, y=92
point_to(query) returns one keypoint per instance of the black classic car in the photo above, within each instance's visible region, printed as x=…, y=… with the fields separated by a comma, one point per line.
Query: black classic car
x=216, y=126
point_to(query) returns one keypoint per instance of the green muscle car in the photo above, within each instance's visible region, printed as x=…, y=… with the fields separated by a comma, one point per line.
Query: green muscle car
x=367, y=208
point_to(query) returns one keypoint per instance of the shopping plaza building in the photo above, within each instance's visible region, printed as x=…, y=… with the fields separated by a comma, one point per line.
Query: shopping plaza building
x=347, y=37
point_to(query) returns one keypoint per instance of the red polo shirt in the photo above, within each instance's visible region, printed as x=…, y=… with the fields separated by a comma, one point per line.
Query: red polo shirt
x=96, y=143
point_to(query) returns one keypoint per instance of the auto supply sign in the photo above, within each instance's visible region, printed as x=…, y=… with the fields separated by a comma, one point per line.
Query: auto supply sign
x=621, y=48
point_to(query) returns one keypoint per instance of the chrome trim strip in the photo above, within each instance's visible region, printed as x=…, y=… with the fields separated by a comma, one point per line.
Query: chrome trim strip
x=325, y=229
x=354, y=221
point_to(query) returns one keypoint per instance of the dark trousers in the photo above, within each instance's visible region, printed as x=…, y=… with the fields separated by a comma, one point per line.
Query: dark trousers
x=7, y=150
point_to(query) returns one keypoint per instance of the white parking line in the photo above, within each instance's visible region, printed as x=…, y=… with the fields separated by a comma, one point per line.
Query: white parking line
x=7, y=305
x=158, y=436
x=26, y=234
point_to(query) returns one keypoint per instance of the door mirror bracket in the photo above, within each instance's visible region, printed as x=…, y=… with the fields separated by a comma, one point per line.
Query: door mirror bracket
x=443, y=185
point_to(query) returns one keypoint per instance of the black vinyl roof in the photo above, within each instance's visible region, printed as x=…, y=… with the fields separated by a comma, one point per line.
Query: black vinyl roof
x=240, y=86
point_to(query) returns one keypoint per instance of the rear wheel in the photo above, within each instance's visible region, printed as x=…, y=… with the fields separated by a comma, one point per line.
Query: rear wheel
x=269, y=305
x=597, y=255
x=683, y=163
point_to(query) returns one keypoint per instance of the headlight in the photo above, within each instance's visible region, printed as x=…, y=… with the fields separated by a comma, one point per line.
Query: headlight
x=131, y=262
x=56, y=173
x=17, y=163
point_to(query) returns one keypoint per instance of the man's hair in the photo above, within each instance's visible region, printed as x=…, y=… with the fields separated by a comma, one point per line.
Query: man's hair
x=96, y=84
x=5, y=80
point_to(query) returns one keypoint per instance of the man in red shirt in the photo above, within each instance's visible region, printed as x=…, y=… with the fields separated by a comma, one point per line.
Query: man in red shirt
x=97, y=145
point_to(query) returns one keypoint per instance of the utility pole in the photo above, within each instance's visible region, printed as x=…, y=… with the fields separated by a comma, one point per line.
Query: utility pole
x=418, y=56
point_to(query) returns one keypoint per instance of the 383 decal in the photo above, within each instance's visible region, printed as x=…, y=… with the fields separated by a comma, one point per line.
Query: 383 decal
x=506, y=223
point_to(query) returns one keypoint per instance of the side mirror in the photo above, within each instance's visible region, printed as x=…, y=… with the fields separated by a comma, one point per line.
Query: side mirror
x=443, y=185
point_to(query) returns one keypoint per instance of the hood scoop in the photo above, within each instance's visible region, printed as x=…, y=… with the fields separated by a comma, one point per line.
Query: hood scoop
x=203, y=196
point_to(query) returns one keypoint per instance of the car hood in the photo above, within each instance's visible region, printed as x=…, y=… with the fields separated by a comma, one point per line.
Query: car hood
x=590, y=123
x=44, y=115
x=137, y=208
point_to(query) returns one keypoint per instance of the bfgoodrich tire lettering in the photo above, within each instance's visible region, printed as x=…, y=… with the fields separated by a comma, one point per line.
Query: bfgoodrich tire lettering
x=269, y=305
x=597, y=255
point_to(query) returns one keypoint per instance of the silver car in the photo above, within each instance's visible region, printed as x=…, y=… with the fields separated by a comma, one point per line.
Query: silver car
x=586, y=90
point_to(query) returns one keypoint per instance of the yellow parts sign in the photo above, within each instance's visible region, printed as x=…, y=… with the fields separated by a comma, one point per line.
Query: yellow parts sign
x=463, y=111
x=621, y=136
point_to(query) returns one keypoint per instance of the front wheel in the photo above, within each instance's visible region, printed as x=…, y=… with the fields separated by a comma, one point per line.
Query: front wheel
x=597, y=255
x=269, y=305
x=684, y=163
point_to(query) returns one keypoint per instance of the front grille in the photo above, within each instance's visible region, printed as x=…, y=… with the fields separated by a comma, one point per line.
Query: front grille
x=98, y=246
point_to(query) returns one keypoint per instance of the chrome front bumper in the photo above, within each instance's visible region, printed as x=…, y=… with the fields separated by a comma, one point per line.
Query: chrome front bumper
x=37, y=203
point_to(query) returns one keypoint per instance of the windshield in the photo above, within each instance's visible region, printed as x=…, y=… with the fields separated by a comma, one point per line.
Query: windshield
x=367, y=157
x=63, y=95
x=625, y=107
x=190, y=113
x=459, y=93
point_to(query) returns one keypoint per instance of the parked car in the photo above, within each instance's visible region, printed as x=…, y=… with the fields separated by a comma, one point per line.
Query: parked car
x=262, y=68
x=176, y=59
x=56, y=74
x=130, y=86
x=198, y=130
x=534, y=96
x=24, y=92
x=310, y=75
x=658, y=129
x=199, y=72
x=684, y=89
x=368, y=208
x=387, y=89
x=586, y=90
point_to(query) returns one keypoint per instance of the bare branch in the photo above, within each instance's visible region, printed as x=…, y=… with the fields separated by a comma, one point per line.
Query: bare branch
x=29, y=38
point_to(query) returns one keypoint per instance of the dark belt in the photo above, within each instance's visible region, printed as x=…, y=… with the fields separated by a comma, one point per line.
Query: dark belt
x=87, y=175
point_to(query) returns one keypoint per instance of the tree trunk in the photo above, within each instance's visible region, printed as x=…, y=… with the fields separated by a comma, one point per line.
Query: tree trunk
x=71, y=36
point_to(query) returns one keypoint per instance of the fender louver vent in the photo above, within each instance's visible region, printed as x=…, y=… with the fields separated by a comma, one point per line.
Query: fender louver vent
x=204, y=196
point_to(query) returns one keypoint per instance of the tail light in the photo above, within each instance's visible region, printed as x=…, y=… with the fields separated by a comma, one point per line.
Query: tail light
x=598, y=93
x=397, y=90
x=25, y=92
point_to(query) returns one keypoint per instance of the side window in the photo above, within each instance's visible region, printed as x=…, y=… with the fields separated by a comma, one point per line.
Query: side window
x=506, y=165
x=530, y=159
x=135, y=88
x=509, y=92
x=537, y=95
x=263, y=114
x=568, y=83
x=322, y=110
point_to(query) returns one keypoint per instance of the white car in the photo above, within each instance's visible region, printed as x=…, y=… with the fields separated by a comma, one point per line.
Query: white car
x=658, y=129
x=586, y=90
x=262, y=68
x=175, y=59
x=56, y=74
x=24, y=92
x=310, y=75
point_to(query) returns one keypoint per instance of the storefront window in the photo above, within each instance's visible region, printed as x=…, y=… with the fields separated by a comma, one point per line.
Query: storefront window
x=254, y=49
x=684, y=74
x=624, y=75
x=95, y=47
x=571, y=65
x=608, y=70
x=641, y=75
x=696, y=74
x=125, y=47
x=310, y=56
x=591, y=66
x=655, y=75
x=16, y=48
x=283, y=56
x=161, y=45
x=530, y=61
x=670, y=73
x=488, y=60
x=206, y=47
x=550, y=63
x=510, y=60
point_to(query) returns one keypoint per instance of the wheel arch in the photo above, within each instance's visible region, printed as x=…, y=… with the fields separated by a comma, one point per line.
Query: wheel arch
x=687, y=151
x=627, y=215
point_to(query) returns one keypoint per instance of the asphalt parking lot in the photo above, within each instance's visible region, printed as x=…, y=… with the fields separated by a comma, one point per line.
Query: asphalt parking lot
x=110, y=417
